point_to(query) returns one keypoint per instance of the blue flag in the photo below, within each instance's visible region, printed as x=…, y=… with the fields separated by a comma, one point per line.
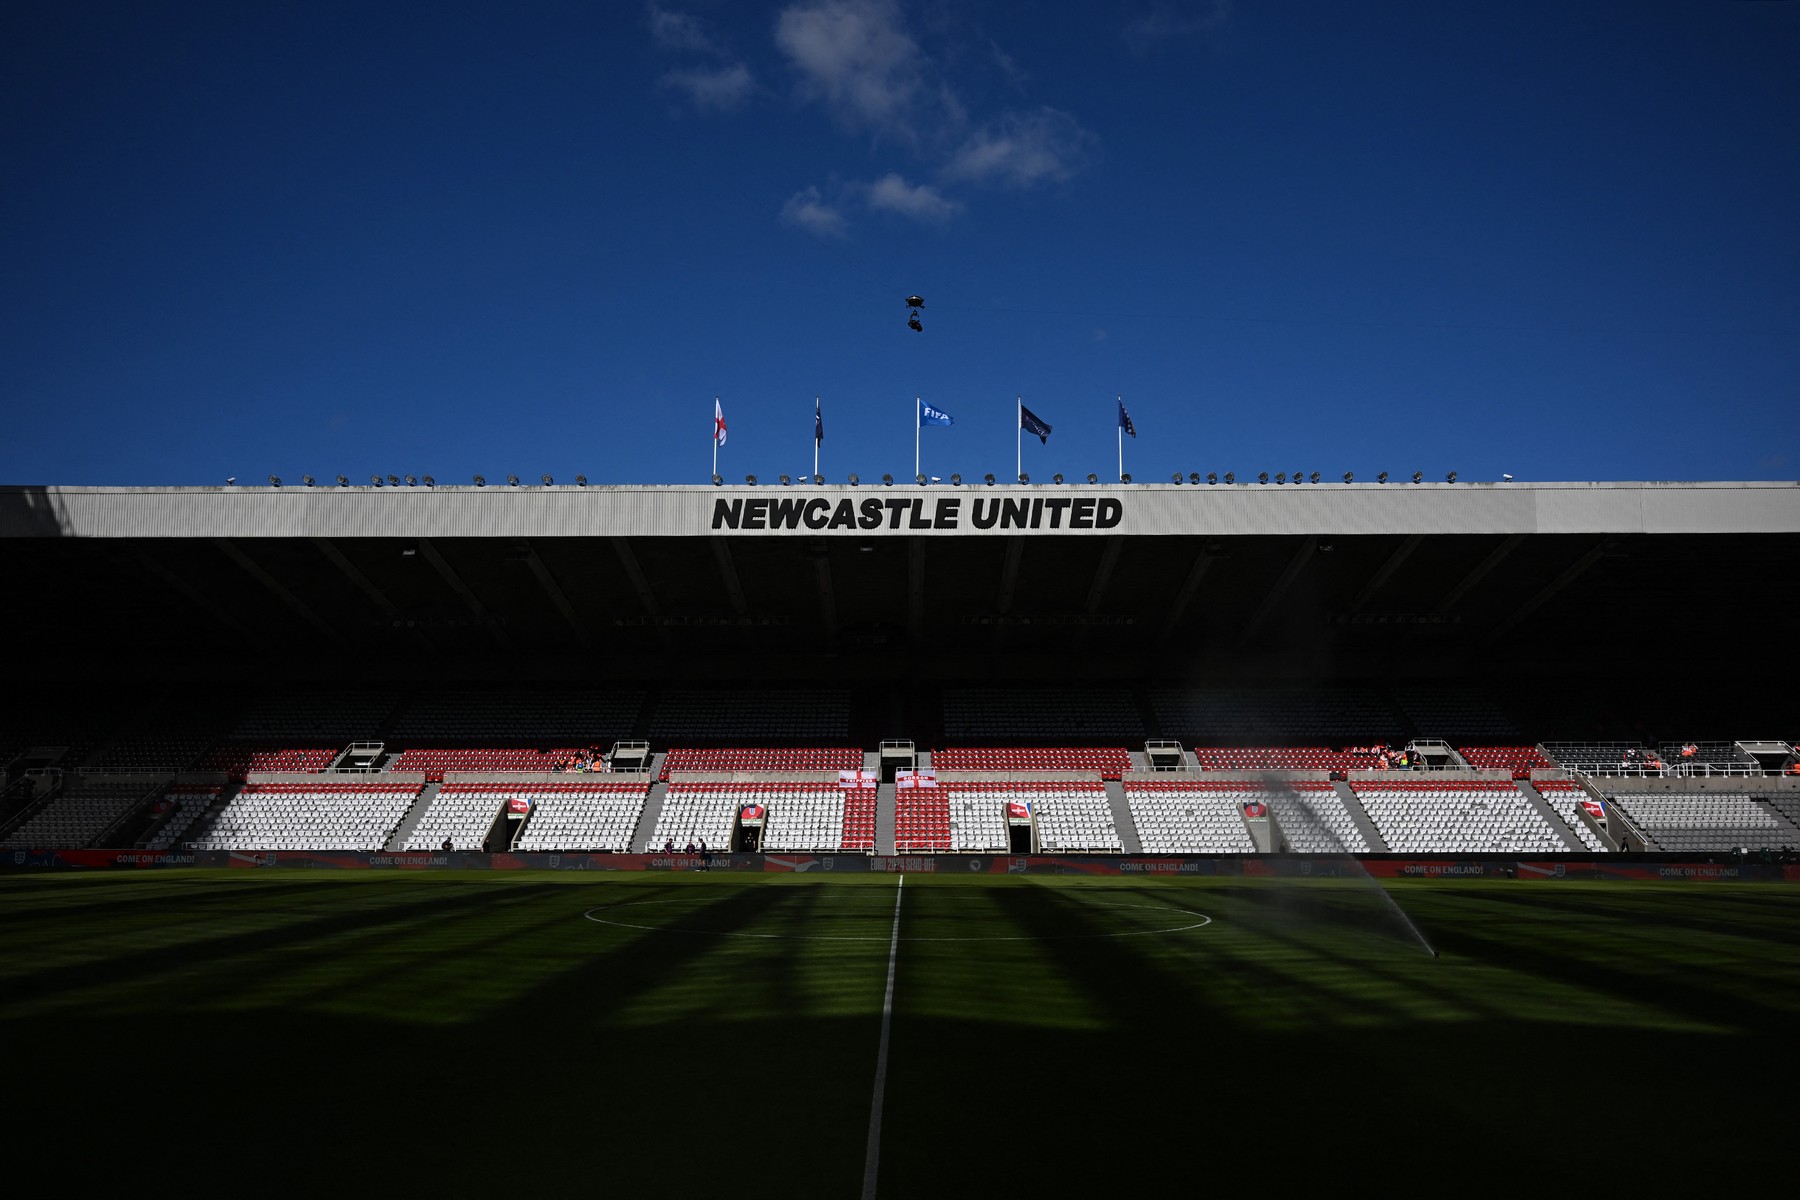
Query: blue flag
x=1031, y=423
x=932, y=416
x=1125, y=420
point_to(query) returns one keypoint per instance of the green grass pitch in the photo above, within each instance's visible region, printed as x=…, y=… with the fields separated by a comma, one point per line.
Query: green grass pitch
x=657, y=1034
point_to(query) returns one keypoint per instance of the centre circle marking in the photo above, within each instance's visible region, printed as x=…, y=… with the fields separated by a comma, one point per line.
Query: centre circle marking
x=590, y=915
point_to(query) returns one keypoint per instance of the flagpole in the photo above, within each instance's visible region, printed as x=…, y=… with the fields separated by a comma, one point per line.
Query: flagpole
x=715, y=436
x=1018, y=438
x=815, y=435
x=918, y=419
x=1121, y=425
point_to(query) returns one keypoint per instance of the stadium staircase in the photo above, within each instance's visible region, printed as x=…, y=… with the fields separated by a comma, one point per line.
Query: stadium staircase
x=885, y=808
x=653, y=805
x=422, y=805
x=1353, y=806
x=1129, y=841
x=1551, y=817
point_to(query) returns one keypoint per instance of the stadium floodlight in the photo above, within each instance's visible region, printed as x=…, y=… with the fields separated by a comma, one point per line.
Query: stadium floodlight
x=818, y=479
x=1280, y=477
x=1125, y=477
x=785, y=481
x=231, y=481
x=988, y=478
x=481, y=481
x=1418, y=475
x=920, y=479
x=581, y=480
x=375, y=479
x=955, y=478
x=1230, y=477
x=717, y=479
x=548, y=482
x=749, y=479
x=343, y=482
x=1349, y=476
x=1504, y=478
x=1093, y=478
x=428, y=481
x=1024, y=478
x=1193, y=477
x=853, y=479
x=1315, y=477
x=1262, y=477
x=307, y=480
x=887, y=478
x=1450, y=478
x=274, y=481
x=394, y=480
x=513, y=480
x=1056, y=478
x=1175, y=478
x=1212, y=478
x=1381, y=477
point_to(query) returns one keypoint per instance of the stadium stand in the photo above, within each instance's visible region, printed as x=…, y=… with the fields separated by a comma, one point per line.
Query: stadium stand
x=516, y=716
x=79, y=814
x=1291, y=758
x=185, y=805
x=996, y=714
x=1705, y=821
x=561, y=816
x=321, y=816
x=1520, y=760
x=1255, y=716
x=1456, y=816
x=1462, y=713
x=1563, y=796
x=1312, y=818
x=692, y=716
x=1071, y=817
x=696, y=811
x=802, y=816
x=239, y=759
x=1190, y=817
x=436, y=763
x=316, y=716
x=921, y=815
x=1110, y=762
x=768, y=758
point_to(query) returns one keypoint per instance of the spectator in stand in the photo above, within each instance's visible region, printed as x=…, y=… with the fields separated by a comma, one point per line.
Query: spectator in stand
x=669, y=846
x=449, y=845
x=690, y=846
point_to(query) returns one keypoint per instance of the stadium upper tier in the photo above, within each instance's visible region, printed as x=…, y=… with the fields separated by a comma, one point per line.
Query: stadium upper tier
x=878, y=598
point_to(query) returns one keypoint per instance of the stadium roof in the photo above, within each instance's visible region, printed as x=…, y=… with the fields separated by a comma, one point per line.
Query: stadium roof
x=1687, y=583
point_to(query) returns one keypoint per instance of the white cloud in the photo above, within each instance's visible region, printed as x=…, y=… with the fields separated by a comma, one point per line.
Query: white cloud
x=856, y=58
x=1023, y=150
x=893, y=194
x=1166, y=22
x=680, y=32
x=715, y=88
x=807, y=209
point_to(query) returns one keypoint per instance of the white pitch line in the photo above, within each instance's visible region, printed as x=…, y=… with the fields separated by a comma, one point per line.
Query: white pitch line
x=873, y=1159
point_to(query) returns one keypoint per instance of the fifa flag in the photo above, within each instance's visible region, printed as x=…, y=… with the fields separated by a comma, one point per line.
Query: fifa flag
x=718, y=422
x=1125, y=420
x=1030, y=422
x=933, y=416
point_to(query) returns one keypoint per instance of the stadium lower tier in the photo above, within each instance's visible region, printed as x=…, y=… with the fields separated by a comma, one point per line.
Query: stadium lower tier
x=918, y=812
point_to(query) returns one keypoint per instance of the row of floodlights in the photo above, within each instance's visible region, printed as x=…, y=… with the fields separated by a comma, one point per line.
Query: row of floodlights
x=1177, y=477
x=414, y=480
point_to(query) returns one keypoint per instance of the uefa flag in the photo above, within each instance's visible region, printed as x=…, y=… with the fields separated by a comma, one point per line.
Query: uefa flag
x=1030, y=422
x=1125, y=420
x=933, y=416
x=718, y=422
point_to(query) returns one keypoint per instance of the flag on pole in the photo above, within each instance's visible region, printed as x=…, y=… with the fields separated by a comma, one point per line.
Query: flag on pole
x=718, y=422
x=818, y=423
x=1125, y=420
x=1030, y=422
x=932, y=416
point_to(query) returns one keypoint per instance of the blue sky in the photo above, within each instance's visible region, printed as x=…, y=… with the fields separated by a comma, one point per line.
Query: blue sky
x=1555, y=240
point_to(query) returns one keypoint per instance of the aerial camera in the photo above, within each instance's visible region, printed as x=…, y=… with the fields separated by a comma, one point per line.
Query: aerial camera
x=914, y=303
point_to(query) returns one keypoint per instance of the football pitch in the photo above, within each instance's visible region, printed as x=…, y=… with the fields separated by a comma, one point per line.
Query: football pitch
x=902, y=1036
